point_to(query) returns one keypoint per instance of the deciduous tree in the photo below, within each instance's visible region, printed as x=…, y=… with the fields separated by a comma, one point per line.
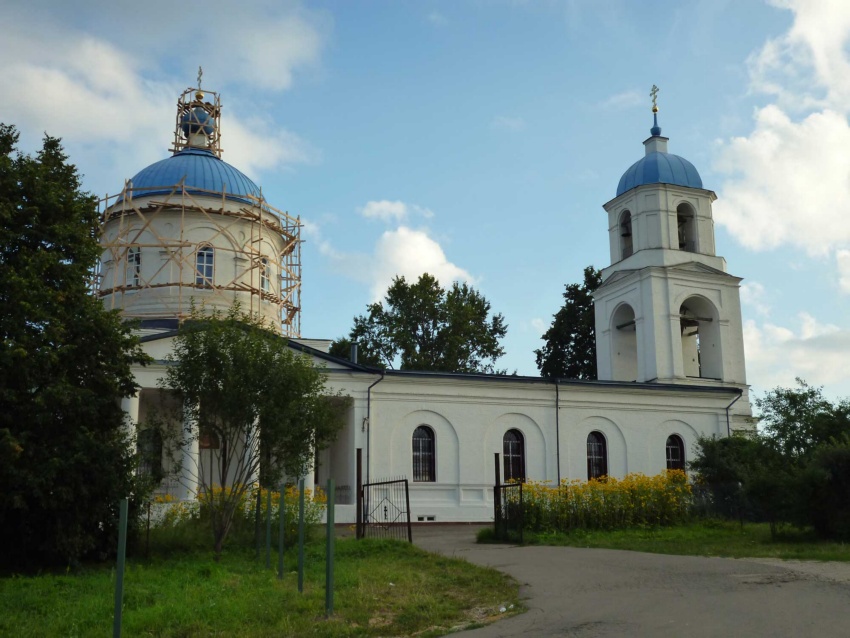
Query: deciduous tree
x=65, y=456
x=422, y=326
x=569, y=351
x=266, y=405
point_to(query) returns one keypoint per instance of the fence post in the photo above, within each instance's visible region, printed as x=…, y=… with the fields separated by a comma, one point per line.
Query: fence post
x=301, y=535
x=359, y=498
x=280, y=531
x=269, y=528
x=329, y=557
x=407, y=500
x=497, y=496
x=119, y=576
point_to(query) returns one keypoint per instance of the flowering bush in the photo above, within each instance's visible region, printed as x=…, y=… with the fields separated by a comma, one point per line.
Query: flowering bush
x=608, y=503
x=175, y=516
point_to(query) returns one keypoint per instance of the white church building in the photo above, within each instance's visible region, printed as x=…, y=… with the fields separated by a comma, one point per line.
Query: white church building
x=192, y=229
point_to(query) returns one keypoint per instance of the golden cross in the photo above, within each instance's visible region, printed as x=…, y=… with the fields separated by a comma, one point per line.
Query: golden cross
x=654, y=95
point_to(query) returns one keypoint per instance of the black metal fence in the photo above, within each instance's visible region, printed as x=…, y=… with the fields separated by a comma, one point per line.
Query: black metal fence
x=385, y=508
x=508, y=515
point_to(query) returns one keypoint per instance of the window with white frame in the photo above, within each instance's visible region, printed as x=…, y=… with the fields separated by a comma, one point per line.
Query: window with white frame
x=265, y=275
x=204, y=266
x=134, y=266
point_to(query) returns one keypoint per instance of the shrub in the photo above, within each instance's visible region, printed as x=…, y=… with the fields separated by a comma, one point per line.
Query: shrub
x=608, y=503
x=826, y=487
x=186, y=525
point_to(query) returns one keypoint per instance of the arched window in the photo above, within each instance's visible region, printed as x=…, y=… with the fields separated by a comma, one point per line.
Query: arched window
x=423, y=455
x=134, y=266
x=204, y=266
x=626, y=246
x=149, y=444
x=686, y=222
x=675, y=453
x=513, y=452
x=265, y=274
x=597, y=456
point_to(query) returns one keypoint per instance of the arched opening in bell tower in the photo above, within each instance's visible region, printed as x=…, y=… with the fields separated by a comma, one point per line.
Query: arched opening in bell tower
x=686, y=223
x=700, y=329
x=626, y=245
x=624, y=364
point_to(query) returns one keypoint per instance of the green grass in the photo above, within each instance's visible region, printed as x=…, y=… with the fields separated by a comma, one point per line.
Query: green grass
x=709, y=538
x=383, y=588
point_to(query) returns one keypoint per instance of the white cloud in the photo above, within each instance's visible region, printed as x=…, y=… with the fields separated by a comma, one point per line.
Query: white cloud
x=842, y=258
x=505, y=123
x=410, y=253
x=392, y=211
x=754, y=295
x=93, y=86
x=788, y=182
x=385, y=210
x=403, y=252
x=625, y=100
x=539, y=325
x=816, y=352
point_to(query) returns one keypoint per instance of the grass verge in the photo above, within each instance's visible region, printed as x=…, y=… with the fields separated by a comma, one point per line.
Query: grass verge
x=708, y=538
x=383, y=588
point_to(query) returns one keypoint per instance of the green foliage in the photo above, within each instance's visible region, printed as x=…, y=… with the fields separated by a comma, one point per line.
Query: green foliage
x=710, y=537
x=342, y=348
x=826, y=490
x=569, y=351
x=266, y=405
x=65, y=459
x=382, y=588
x=797, y=420
x=632, y=501
x=185, y=525
x=422, y=326
x=795, y=471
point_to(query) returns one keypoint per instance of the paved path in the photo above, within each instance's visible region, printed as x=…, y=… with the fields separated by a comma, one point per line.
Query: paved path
x=599, y=593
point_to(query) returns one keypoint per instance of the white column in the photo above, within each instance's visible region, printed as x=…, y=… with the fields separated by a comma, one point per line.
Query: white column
x=189, y=466
x=130, y=406
x=309, y=479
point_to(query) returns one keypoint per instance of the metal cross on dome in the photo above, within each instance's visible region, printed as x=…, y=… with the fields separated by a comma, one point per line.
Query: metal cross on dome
x=201, y=74
x=654, y=95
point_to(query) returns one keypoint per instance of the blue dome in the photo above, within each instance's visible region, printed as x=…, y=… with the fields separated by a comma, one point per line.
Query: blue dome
x=197, y=121
x=202, y=170
x=660, y=168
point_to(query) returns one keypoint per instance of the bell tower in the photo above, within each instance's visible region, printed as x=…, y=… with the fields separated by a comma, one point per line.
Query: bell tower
x=667, y=311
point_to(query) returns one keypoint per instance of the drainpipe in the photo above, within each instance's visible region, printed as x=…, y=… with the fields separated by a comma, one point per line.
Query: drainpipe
x=367, y=424
x=558, y=429
x=728, y=426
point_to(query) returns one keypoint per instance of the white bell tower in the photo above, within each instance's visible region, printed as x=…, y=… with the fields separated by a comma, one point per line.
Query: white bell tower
x=667, y=311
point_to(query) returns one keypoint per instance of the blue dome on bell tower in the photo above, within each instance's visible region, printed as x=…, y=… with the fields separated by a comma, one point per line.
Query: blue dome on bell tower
x=658, y=166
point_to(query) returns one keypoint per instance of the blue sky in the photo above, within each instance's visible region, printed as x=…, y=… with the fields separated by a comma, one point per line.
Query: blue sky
x=479, y=139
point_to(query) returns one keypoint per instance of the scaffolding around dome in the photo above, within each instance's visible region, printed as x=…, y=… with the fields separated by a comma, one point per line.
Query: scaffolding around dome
x=198, y=122
x=153, y=261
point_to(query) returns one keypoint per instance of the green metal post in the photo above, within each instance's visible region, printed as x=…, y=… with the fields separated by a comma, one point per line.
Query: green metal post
x=281, y=528
x=301, y=535
x=329, y=558
x=119, y=576
x=269, y=529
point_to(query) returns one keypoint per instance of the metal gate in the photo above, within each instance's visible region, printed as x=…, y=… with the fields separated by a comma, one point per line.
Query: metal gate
x=385, y=510
x=508, y=511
